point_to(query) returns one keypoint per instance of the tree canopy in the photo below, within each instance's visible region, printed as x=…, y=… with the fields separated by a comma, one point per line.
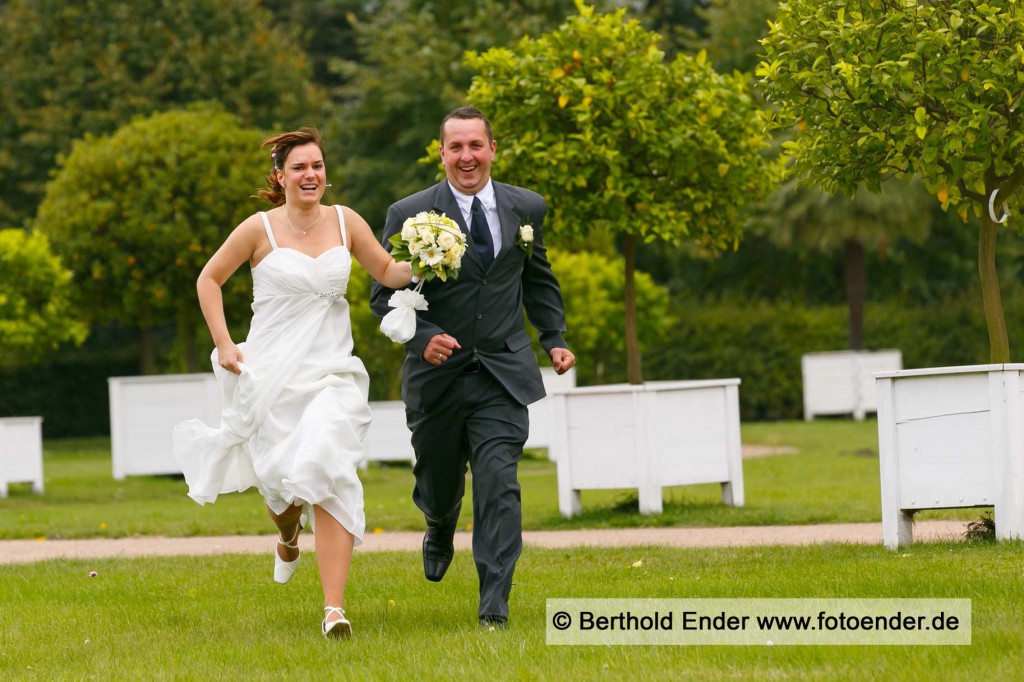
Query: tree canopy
x=622, y=141
x=876, y=88
x=137, y=213
x=884, y=87
x=91, y=66
x=36, y=313
x=619, y=140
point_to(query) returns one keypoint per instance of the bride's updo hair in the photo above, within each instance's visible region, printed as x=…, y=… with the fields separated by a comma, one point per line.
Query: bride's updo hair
x=281, y=146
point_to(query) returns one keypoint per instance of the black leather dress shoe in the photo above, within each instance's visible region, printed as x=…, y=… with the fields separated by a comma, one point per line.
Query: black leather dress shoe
x=438, y=550
x=493, y=623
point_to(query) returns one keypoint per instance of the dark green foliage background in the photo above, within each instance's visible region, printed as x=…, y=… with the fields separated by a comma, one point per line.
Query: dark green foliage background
x=758, y=342
x=762, y=344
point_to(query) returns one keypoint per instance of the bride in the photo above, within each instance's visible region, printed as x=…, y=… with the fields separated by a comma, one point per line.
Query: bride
x=294, y=397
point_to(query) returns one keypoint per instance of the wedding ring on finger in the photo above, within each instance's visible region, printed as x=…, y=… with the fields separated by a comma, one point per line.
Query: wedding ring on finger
x=440, y=357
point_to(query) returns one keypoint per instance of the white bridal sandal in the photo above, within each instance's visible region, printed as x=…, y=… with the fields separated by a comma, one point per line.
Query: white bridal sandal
x=336, y=629
x=284, y=570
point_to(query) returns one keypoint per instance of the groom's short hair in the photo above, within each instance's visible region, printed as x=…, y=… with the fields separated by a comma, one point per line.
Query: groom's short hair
x=467, y=113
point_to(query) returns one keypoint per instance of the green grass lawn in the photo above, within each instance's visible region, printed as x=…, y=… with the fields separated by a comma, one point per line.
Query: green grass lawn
x=833, y=478
x=222, y=617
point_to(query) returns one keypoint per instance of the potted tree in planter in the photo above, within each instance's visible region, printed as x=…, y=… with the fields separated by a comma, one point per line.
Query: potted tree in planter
x=36, y=319
x=624, y=143
x=880, y=89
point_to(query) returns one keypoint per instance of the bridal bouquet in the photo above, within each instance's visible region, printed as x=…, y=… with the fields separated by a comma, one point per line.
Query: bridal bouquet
x=435, y=246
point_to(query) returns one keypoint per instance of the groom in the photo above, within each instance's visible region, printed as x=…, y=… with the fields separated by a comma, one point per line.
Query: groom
x=469, y=371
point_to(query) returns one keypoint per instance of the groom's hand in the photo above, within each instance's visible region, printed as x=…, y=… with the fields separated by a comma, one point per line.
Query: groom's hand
x=562, y=360
x=440, y=348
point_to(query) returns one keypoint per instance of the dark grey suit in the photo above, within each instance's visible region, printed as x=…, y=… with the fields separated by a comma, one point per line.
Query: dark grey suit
x=480, y=419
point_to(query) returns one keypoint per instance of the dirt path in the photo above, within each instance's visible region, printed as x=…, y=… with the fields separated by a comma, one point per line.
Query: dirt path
x=27, y=551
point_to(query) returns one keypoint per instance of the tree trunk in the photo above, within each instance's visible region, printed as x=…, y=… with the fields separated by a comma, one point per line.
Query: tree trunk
x=633, y=373
x=147, y=350
x=856, y=290
x=187, y=338
x=999, y=343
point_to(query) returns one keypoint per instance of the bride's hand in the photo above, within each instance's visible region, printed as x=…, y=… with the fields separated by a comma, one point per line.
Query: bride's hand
x=230, y=358
x=396, y=274
x=405, y=268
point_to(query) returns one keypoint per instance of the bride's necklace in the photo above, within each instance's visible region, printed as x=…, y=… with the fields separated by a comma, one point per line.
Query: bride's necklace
x=304, y=230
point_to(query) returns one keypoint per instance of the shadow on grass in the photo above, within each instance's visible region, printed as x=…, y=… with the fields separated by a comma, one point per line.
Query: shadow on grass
x=623, y=511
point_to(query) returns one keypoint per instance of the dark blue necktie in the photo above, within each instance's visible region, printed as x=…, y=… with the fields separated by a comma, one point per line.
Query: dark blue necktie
x=481, y=233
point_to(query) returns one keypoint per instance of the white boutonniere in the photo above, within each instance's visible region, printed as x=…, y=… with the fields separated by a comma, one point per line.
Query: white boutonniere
x=524, y=239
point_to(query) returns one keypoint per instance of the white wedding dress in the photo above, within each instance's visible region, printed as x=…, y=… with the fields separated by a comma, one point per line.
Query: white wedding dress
x=293, y=422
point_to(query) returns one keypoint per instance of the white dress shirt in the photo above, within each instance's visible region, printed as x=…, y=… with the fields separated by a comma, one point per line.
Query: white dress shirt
x=486, y=195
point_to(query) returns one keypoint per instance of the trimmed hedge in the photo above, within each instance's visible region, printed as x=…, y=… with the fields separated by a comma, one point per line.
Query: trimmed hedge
x=761, y=343
x=71, y=396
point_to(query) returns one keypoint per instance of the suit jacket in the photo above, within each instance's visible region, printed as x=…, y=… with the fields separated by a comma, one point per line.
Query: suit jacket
x=482, y=310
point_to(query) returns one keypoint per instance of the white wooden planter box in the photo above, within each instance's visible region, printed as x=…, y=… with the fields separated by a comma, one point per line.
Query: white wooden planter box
x=21, y=452
x=542, y=412
x=951, y=437
x=655, y=435
x=843, y=382
x=389, y=438
x=143, y=412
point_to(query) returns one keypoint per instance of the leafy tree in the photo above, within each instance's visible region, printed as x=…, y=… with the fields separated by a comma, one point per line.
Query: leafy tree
x=136, y=214
x=390, y=96
x=93, y=65
x=36, y=315
x=593, y=287
x=877, y=88
x=622, y=142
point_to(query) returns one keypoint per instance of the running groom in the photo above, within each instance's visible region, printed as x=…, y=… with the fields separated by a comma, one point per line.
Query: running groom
x=469, y=371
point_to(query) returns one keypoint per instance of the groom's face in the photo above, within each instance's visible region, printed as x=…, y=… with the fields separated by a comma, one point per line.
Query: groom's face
x=467, y=154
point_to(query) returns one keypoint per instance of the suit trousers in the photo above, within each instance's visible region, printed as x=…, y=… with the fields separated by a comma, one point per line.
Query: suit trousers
x=476, y=422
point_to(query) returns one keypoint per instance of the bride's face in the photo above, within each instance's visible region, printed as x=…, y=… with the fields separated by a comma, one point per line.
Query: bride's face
x=304, y=174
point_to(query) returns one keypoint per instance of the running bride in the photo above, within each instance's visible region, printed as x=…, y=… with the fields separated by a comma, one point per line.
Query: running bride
x=294, y=397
